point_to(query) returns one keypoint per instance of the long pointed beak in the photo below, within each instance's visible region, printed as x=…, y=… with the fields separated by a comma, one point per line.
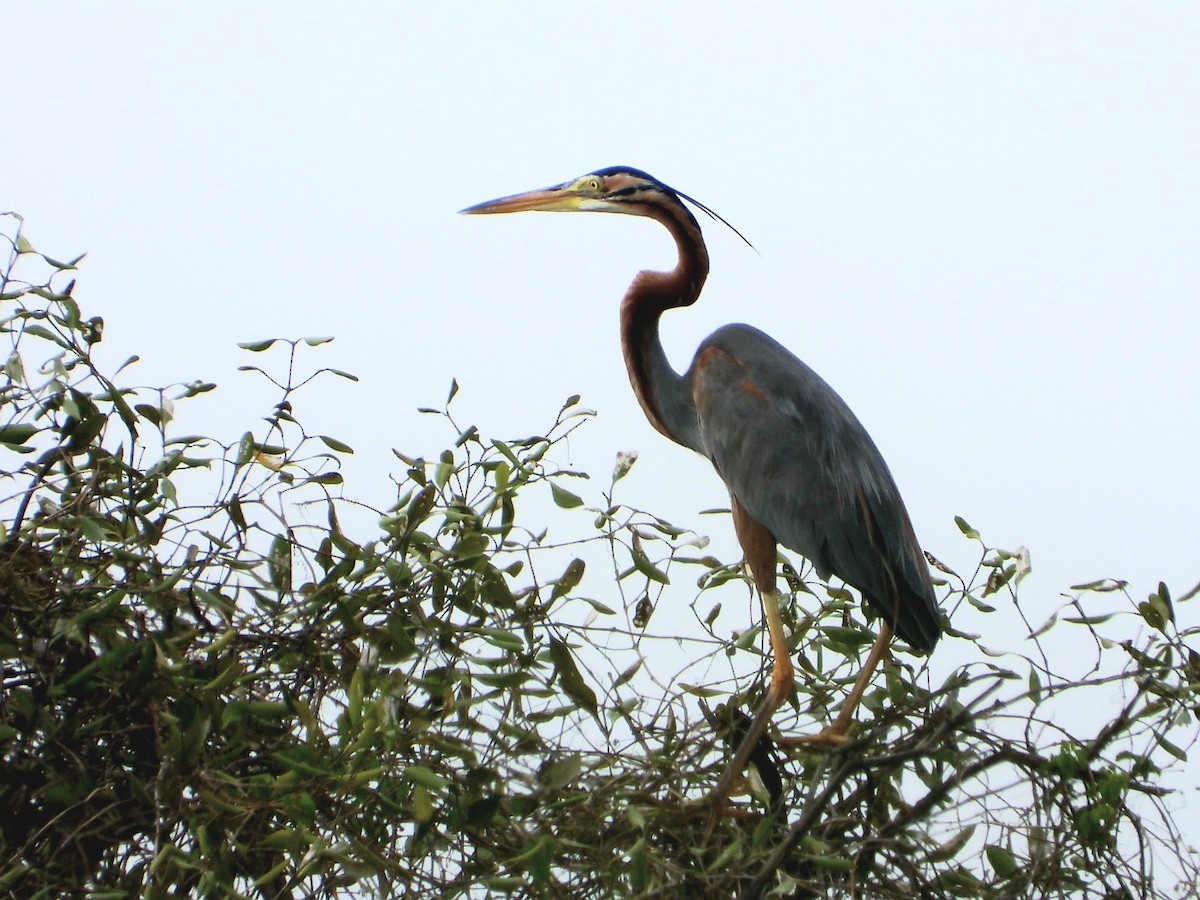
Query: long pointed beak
x=554, y=199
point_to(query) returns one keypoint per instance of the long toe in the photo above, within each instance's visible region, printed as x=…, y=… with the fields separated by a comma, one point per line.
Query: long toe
x=827, y=739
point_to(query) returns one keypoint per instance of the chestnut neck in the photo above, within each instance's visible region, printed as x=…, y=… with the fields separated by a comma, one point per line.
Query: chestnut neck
x=665, y=396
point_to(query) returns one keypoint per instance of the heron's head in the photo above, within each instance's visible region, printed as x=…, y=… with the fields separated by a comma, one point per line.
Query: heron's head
x=617, y=189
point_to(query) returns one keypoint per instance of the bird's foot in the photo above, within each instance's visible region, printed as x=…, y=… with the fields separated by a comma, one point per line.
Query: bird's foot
x=826, y=739
x=717, y=800
x=721, y=808
x=717, y=805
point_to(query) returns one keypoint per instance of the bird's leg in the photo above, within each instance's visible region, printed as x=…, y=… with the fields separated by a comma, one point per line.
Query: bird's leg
x=759, y=546
x=782, y=677
x=835, y=735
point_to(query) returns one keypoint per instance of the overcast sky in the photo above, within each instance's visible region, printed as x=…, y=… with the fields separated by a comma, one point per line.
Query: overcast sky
x=979, y=222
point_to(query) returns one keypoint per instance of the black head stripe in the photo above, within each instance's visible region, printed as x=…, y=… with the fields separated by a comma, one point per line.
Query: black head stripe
x=654, y=184
x=628, y=170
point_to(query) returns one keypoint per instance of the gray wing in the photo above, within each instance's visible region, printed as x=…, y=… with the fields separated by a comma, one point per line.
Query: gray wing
x=801, y=464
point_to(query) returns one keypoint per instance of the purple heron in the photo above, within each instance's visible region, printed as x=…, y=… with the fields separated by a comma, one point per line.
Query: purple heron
x=800, y=468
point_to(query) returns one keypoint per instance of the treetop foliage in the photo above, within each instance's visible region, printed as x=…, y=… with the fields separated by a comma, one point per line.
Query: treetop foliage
x=221, y=677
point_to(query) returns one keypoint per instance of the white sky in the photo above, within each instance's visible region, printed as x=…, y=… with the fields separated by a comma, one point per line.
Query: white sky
x=978, y=221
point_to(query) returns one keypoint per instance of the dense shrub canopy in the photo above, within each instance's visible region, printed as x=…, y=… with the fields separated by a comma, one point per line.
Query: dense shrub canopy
x=213, y=687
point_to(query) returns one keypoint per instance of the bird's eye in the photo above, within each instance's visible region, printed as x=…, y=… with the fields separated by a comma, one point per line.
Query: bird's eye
x=588, y=184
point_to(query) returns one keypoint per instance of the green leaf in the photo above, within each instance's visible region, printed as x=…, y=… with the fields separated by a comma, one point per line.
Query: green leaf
x=245, y=450
x=43, y=332
x=510, y=456
x=1046, y=626
x=537, y=859
x=92, y=529
x=1174, y=750
x=504, y=680
x=629, y=672
x=225, y=679
x=642, y=563
x=245, y=710
x=1088, y=620
x=1153, y=612
x=444, y=469
x=293, y=840
x=698, y=691
x=425, y=777
x=572, y=681
x=152, y=414
x=325, y=478
x=747, y=638
x=952, y=847
x=733, y=850
x=1102, y=586
x=564, y=498
x=197, y=387
x=560, y=773
x=979, y=604
x=832, y=863
x=234, y=509
x=258, y=346
x=1003, y=863
x=101, y=609
x=965, y=528
x=569, y=579
x=1157, y=609
x=1165, y=596
x=472, y=546
x=854, y=637
x=625, y=461
x=599, y=607
x=499, y=637
x=421, y=804
x=16, y=434
x=279, y=563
